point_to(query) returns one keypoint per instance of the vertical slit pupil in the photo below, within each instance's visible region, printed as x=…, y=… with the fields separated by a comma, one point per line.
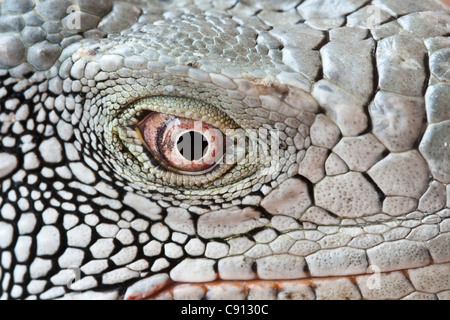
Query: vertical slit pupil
x=192, y=145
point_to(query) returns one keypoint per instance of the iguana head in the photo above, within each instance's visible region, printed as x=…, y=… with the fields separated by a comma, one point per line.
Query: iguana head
x=290, y=149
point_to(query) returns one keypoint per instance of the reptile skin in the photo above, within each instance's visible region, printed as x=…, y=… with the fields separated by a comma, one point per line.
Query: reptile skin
x=352, y=202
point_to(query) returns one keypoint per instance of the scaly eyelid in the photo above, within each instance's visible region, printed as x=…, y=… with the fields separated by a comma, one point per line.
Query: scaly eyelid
x=178, y=107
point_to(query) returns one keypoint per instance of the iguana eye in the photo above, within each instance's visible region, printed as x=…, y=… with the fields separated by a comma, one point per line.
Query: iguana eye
x=183, y=145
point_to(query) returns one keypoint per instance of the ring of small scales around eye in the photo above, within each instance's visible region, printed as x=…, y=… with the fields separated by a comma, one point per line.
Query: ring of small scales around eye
x=145, y=137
